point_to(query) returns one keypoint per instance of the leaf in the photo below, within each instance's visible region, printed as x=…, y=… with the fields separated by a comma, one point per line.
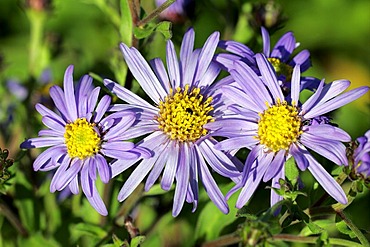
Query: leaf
x=211, y=220
x=164, y=28
x=313, y=227
x=343, y=228
x=291, y=170
x=86, y=229
x=136, y=241
x=143, y=32
x=126, y=23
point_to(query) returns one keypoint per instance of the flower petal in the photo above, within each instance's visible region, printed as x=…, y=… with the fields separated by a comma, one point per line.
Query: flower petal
x=96, y=201
x=69, y=93
x=171, y=167
x=326, y=181
x=104, y=170
x=40, y=142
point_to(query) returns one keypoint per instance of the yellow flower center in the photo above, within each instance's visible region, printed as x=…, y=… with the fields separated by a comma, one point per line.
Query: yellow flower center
x=281, y=68
x=279, y=126
x=183, y=114
x=81, y=139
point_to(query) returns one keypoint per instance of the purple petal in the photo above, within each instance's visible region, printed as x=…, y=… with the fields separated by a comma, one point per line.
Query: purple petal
x=330, y=149
x=211, y=187
x=269, y=76
x=119, y=145
x=143, y=73
x=41, y=142
x=182, y=180
x=160, y=72
x=239, y=97
x=60, y=171
x=326, y=181
x=239, y=49
x=73, y=186
x=331, y=90
x=266, y=42
x=84, y=89
x=217, y=159
x=86, y=181
x=173, y=66
x=329, y=132
x=206, y=55
x=48, y=132
x=96, y=201
x=46, y=158
x=275, y=166
x=104, y=170
x=210, y=75
x=295, y=88
x=337, y=102
x=171, y=167
x=302, y=58
x=57, y=95
x=186, y=49
x=54, y=124
x=135, y=178
x=102, y=108
x=157, y=168
x=237, y=142
x=116, y=131
x=307, y=106
x=299, y=154
x=91, y=164
x=121, y=155
x=46, y=112
x=66, y=177
x=284, y=47
x=69, y=93
x=91, y=102
x=125, y=94
x=255, y=175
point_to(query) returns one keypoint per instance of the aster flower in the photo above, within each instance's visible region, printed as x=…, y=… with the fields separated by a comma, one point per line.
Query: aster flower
x=79, y=138
x=185, y=99
x=276, y=128
x=361, y=155
x=176, y=12
x=280, y=58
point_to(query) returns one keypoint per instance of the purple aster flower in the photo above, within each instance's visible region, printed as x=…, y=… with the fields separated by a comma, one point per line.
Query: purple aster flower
x=185, y=99
x=80, y=137
x=361, y=155
x=176, y=12
x=276, y=129
x=280, y=58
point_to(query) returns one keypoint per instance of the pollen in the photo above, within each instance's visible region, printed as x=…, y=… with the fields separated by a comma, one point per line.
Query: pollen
x=281, y=68
x=279, y=126
x=81, y=139
x=183, y=114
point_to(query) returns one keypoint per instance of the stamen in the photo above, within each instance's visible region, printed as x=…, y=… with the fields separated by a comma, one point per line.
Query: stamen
x=81, y=139
x=279, y=126
x=281, y=68
x=182, y=115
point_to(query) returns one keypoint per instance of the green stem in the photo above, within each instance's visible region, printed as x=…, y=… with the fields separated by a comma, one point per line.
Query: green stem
x=354, y=228
x=312, y=240
x=36, y=19
x=155, y=13
x=223, y=241
x=13, y=219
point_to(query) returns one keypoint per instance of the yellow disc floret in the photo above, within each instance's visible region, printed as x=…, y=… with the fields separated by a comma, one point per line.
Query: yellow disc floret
x=279, y=126
x=281, y=68
x=183, y=114
x=81, y=139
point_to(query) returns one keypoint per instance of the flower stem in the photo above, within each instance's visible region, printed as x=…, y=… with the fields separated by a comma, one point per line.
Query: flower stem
x=312, y=240
x=354, y=228
x=155, y=13
x=13, y=219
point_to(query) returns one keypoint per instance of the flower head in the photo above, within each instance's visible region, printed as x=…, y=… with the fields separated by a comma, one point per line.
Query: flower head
x=185, y=99
x=275, y=128
x=281, y=58
x=361, y=155
x=80, y=137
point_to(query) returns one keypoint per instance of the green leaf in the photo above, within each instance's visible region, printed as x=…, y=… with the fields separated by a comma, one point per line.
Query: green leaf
x=291, y=171
x=318, y=226
x=86, y=229
x=164, y=28
x=211, y=220
x=143, y=32
x=343, y=228
x=136, y=241
x=126, y=23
